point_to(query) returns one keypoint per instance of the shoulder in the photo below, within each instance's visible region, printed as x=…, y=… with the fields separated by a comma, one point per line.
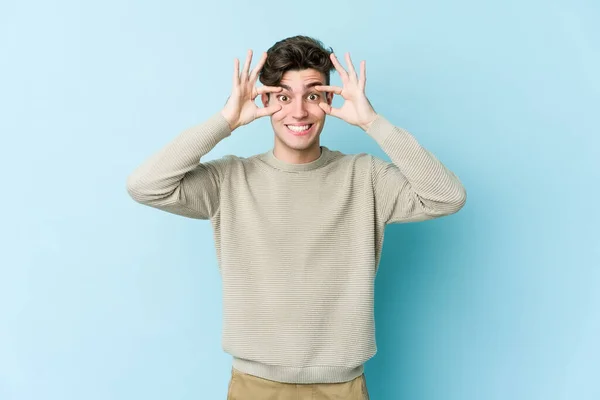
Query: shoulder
x=366, y=163
x=356, y=159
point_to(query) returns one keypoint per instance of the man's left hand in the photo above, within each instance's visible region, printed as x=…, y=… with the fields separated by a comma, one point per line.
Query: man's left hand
x=356, y=110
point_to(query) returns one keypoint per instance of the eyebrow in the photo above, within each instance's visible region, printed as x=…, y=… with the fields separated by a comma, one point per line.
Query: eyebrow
x=305, y=86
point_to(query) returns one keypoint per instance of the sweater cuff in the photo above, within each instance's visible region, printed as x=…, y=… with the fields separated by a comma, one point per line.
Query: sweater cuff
x=380, y=129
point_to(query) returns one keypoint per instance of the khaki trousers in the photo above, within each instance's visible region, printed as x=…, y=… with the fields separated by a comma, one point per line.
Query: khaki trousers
x=244, y=386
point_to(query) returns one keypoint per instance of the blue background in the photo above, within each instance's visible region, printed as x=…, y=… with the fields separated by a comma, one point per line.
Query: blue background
x=102, y=298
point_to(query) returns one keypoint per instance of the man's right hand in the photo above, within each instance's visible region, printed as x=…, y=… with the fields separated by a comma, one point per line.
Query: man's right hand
x=240, y=108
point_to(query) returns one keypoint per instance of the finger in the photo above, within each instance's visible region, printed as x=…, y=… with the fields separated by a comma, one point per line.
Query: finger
x=332, y=89
x=362, y=81
x=338, y=66
x=247, y=65
x=351, y=70
x=330, y=110
x=236, y=72
x=258, y=67
x=263, y=112
x=266, y=89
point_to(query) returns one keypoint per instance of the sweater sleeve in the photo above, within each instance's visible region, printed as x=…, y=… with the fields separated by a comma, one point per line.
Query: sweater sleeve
x=174, y=179
x=415, y=186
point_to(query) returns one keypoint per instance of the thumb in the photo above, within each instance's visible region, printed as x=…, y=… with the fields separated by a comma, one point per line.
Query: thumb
x=263, y=112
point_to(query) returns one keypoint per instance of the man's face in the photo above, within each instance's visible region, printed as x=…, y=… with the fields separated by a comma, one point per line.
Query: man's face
x=300, y=109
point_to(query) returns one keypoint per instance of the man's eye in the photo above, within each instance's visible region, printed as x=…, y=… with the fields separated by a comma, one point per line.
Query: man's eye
x=282, y=97
x=314, y=96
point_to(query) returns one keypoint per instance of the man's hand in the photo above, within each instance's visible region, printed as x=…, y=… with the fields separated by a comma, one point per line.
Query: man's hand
x=240, y=108
x=357, y=109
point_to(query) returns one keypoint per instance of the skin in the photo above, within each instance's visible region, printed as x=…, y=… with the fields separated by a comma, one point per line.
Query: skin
x=296, y=102
x=299, y=106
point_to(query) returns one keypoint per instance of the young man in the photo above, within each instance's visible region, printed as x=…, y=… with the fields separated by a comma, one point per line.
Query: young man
x=298, y=229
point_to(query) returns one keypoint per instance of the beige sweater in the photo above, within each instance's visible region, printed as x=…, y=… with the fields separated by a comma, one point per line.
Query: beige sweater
x=298, y=245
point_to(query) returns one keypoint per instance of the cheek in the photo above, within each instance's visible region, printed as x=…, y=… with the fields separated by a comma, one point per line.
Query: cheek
x=279, y=115
x=317, y=111
x=283, y=114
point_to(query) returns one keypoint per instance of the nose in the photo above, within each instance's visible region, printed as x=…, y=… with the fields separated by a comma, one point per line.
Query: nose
x=299, y=111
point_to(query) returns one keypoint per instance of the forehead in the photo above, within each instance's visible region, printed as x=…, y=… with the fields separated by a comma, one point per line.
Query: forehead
x=297, y=79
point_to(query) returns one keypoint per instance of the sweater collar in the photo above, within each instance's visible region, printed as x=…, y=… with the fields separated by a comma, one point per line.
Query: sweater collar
x=269, y=158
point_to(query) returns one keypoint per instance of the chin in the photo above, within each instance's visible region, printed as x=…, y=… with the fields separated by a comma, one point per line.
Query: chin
x=298, y=143
x=300, y=146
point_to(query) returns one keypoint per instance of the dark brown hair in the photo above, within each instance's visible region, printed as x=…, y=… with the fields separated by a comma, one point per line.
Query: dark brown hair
x=294, y=54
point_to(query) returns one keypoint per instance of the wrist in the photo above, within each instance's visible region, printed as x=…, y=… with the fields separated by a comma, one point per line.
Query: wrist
x=232, y=124
x=366, y=125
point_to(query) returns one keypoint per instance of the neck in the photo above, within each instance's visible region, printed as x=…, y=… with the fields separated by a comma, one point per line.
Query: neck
x=293, y=156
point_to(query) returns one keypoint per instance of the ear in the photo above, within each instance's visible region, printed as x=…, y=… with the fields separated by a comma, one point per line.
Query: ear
x=265, y=99
x=329, y=97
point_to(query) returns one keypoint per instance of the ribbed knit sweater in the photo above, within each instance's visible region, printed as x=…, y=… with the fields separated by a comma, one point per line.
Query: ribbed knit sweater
x=298, y=245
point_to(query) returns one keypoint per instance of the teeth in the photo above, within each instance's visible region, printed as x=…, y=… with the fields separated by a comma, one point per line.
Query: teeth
x=298, y=128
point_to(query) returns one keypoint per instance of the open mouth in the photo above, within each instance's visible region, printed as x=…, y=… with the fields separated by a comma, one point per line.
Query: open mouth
x=299, y=130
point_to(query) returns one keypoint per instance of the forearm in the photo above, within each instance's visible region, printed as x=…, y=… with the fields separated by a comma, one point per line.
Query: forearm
x=162, y=173
x=437, y=187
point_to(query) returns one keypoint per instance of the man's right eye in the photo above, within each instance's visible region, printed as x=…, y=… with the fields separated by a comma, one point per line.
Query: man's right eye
x=282, y=97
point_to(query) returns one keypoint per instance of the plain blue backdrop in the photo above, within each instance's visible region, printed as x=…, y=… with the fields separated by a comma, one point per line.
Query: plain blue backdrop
x=102, y=298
